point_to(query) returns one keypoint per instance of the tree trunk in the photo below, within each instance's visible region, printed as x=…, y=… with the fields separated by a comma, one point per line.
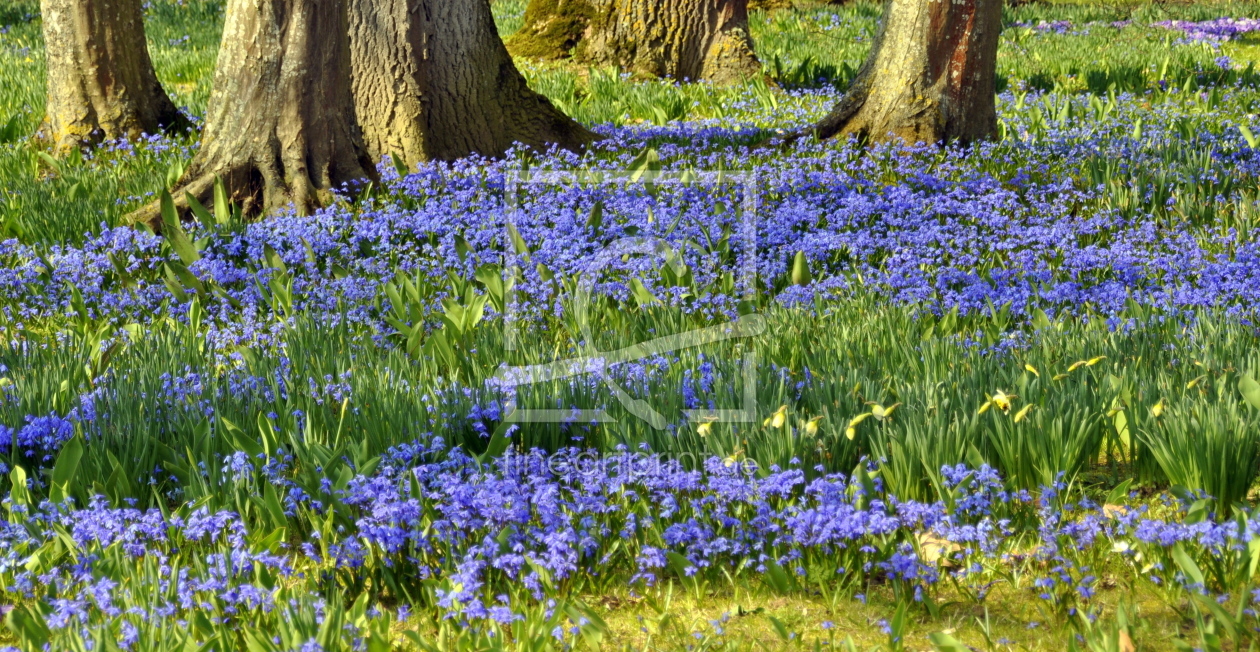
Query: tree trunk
x=101, y=82
x=681, y=39
x=432, y=80
x=280, y=127
x=929, y=78
x=769, y=5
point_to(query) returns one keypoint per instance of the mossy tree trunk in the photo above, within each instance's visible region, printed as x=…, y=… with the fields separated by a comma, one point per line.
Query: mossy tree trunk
x=930, y=76
x=769, y=5
x=101, y=82
x=280, y=127
x=433, y=80
x=681, y=39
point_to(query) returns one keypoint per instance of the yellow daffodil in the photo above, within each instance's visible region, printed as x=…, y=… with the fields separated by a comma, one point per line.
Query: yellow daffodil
x=1086, y=363
x=777, y=419
x=811, y=426
x=880, y=412
x=851, y=431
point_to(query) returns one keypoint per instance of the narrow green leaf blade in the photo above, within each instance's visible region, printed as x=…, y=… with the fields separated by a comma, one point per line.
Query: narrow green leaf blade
x=222, y=209
x=174, y=233
x=67, y=466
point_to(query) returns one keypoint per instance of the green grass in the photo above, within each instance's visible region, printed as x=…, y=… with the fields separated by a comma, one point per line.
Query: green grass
x=669, y=619
x=859, y=355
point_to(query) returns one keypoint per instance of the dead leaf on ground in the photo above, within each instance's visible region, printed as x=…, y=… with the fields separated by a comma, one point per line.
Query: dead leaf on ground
x=1126, y=643
x=933, y=549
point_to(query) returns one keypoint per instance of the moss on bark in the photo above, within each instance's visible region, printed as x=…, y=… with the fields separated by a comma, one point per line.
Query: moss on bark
x=769, y=5
x=552, y=29
x=680, y=39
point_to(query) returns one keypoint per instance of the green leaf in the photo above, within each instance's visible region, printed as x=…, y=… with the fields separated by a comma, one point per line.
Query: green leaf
x=51, y=162
x=491, y=277
x=240, y=441
x=179, y=275
x=462, y=247
x=594, y=629
x=679, y=563
x=174, y=233
x=118, y=483
x=779, y=579
x=271, y=501
x=222, y=209
x=1219, y=615
x=270, y=441
x=946, y=643
x=596, y=218
x=400, y=165
x=1120, y=493
x=499, y=440
x=1187, y=565
x=419, y=641
x=174, y=173
x=974, y=457
x=642, y=295
x=648, y=161
x=11, y=129
x=29, y=627
x=1252, y=142
x=1250, y=390
x=780, y=628
x=271, y=542
x=518, y=243
x=197, y=209
x=62, y=478
x=439, y=348
x=17, y=487
x=274, y=260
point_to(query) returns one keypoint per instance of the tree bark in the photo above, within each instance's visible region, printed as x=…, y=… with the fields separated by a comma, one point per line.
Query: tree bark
x=769, y=5
x=433, y=80
x=681, y=39
x=280, y=127
x=930, y=76
x=101, y=82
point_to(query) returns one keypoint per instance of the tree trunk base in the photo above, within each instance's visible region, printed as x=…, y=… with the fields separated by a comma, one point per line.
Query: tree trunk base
x=432, y=80
x=731, y=59
x=280, y=128
x=101, y=83
x=930, y=76
x=257, y=188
